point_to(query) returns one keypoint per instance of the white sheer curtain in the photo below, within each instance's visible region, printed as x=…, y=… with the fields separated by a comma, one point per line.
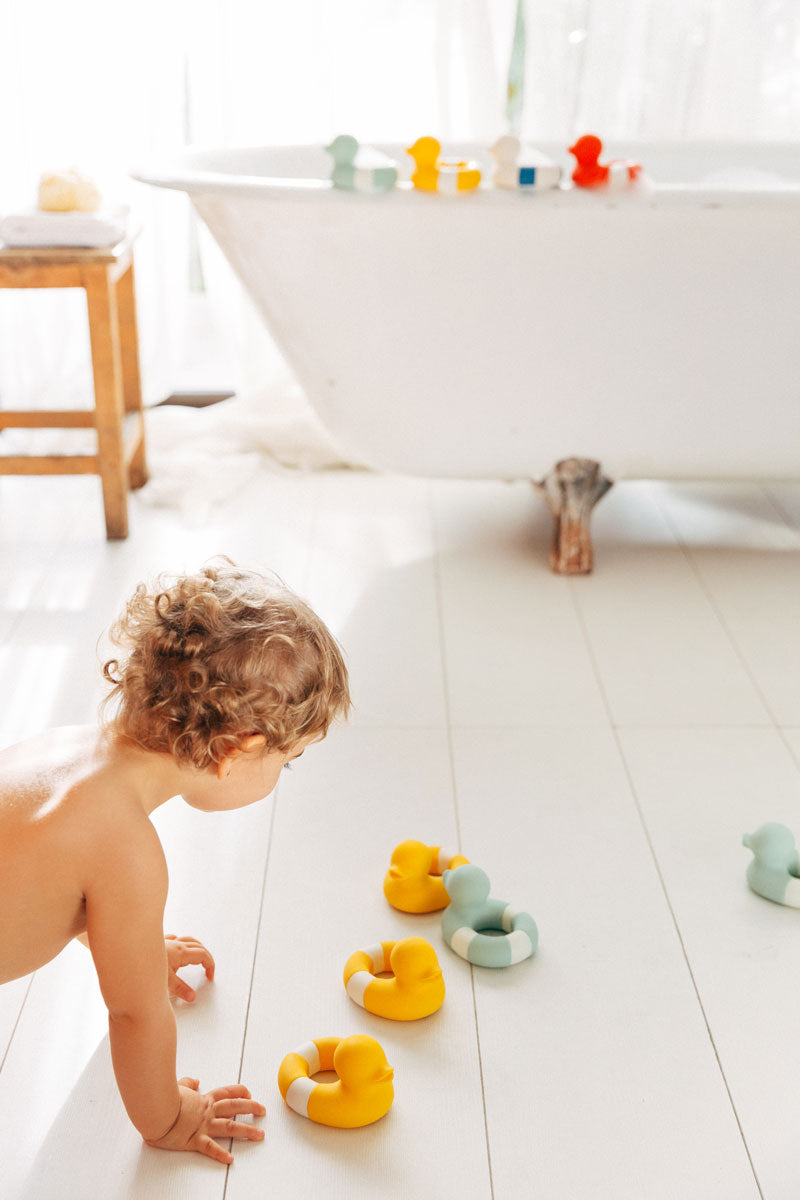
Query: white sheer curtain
x=644, y=68
x=96, y=85
x=105, y=86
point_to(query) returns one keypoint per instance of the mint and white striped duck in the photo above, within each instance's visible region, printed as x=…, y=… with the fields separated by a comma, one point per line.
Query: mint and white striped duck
x=775, y=869
x=472, y=911
x=360, y=168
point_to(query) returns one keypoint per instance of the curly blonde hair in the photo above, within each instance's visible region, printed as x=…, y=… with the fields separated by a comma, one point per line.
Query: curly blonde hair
x=217, y=656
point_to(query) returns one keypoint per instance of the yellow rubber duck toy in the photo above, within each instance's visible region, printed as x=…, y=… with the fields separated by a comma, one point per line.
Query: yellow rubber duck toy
x=435, y=174
x=416, y=988
x=413, y=882
x=363, y=1093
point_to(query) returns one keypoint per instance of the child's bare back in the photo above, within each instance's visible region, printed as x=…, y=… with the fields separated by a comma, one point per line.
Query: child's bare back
x=61, y=821
x=228, y=676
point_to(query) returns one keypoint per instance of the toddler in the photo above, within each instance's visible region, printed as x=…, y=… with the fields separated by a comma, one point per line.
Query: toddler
x=226, y=677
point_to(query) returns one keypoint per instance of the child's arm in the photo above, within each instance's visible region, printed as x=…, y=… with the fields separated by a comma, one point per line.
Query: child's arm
x=181, y=952
x=124, y=923
x=125, y=901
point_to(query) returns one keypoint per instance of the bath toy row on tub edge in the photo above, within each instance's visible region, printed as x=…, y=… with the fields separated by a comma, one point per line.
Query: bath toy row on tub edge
x=518, y=167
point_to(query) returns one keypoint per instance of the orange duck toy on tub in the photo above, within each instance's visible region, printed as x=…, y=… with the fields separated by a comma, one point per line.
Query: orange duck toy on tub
x=591, y=173
x=436, y=174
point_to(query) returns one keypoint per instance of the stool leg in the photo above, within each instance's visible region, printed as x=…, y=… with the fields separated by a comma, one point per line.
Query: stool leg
x=131, y=380
x=104, y=334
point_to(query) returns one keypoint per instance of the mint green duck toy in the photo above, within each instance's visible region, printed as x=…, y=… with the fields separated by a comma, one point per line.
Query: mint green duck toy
x=360, y=169
x=471, y=911
x=775, y=870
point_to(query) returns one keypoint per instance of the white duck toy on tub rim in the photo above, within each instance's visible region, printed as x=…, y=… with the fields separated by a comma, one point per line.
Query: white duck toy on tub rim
x=522, y=168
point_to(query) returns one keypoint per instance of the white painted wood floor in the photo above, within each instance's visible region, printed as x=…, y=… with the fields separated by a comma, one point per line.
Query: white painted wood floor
x=598, y=745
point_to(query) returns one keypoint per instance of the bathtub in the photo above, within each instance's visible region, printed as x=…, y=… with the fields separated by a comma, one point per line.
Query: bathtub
x=651, y=333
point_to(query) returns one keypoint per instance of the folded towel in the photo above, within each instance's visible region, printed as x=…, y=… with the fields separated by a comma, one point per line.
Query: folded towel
x=36, y=228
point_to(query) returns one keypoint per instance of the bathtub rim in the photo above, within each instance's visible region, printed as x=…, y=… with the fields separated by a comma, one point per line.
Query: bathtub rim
x=188, y=171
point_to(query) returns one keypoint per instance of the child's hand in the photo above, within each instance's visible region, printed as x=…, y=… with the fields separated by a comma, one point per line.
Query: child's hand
x=181, y=952
x=204, y=1117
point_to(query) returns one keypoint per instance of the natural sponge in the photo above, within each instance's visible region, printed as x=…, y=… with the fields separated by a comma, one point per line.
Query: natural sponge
x=68, y=191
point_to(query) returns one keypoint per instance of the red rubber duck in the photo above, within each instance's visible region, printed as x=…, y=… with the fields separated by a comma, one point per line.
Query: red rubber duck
x=591, y=173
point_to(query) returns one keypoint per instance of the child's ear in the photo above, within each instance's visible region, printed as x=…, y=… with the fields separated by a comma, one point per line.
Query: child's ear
x=252, y=742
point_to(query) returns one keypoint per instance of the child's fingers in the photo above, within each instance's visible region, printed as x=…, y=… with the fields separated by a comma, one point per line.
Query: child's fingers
x=237, y=1108
x=235, y=1129
x=189, y=1082
x=178, y=987
x=199, y=954
x=234, y=1091
x=206, y=1145
x=189, y=951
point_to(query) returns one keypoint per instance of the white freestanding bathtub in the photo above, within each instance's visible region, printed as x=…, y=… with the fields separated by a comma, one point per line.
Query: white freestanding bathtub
x=495, y=333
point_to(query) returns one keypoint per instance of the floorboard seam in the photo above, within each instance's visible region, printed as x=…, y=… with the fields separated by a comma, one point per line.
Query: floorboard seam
x=695, y=567
x=779, y=509
x=255, y=960
x=451, y=756
x=662, y=882
x=16, y=1023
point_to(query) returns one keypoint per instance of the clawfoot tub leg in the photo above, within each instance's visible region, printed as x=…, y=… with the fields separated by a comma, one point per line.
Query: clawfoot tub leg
x=571, y=491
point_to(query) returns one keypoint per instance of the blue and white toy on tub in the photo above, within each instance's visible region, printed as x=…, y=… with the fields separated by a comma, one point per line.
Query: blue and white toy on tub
x=522, y=168
x=360, y=168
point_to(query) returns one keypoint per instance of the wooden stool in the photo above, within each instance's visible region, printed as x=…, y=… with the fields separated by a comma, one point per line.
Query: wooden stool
x=107, y=276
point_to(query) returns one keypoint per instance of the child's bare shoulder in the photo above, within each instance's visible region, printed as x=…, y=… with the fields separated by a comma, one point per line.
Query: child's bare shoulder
x=61, y=790
x=121, y=846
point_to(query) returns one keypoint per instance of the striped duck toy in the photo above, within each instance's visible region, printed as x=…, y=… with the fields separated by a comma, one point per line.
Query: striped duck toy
x=416, y=988
x=472, y=910
x=363, y=1093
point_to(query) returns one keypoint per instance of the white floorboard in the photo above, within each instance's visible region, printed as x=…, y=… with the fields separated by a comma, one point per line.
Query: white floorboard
x=734, y=537
x=374, y=582
x=699, y=792
x=599, y=1076
x=662, y=653
x=599, y=745
x=335, y=827
x=514, y=648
